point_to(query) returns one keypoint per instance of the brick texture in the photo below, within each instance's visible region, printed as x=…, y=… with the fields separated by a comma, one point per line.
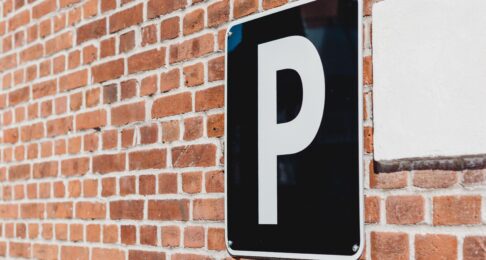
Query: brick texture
x=112, y=139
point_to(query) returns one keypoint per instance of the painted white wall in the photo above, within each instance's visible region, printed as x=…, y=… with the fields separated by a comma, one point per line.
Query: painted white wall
x=429, y=78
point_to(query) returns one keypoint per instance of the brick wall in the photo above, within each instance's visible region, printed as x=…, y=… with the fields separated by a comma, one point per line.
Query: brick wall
x=111, y=117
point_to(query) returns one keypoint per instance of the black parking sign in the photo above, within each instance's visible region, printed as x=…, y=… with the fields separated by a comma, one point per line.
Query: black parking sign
x=294, y=132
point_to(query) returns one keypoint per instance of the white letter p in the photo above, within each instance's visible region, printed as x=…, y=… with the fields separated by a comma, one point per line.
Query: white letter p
x=299, y=54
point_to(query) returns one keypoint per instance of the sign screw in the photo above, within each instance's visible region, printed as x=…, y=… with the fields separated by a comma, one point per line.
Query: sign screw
x=230, y=243
x=355, y=248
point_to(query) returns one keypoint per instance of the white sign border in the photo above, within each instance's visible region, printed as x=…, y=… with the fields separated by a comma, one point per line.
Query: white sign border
x=241, y=253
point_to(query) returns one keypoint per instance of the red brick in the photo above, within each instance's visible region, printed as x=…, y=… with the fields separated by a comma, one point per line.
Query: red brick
x=128, y=89
x=169, y=80
x=193, y=22
x=74, y=166
x=109, y=94
x=148, y=85
x=149, y=134
x=474, y=248
x=169, y=28
x=146, y=184
x=368, y=139
x=183, y=256
x=127, y=41
x=199, y=155
x=92, y=30
x=9, y=211
x=216, y=69
x=160, y=7
x=128, y=234
x=43, y=89
x=170, y=236
x=108, y=187
x=45, y=169
x=19, y=172
x=107, y=47
x=32, y=210
x=107, y=5
x=109, y=163
x=244, y=7
x=107, y=71
x=432, y=246
x=32, y=132
x=405, y=209
x=456, y=210
x=74, y=253
x=216, y=239
x=194, y=237
x=208, y=209
x=394, y=180
x=59, y=43
x=218, y=13
x=372, y=209
x=434, y=179
x=44, y=8
x=145, y=255
x=147, y=60
x=126, y=209
x=214, y=181
x=149, y=35
x=45, y=252
x=192, y=48
x=472, y=177
x=167, y=183
x=32, y=53
x=172, y=105
x=18, y=96
x=210, y=98
x=89, y=120
x=11, y=135
x=148, y=235
x=150, y=159
x=367, y=70
x=269, y=4
x=128, y=113
x=127, y=185
x=386, y=246
x=18, y=20
x=192, y=182
x=168, y=210
x=193, y=128
x=18, y=249
x=215, y=125
x=59, y=210
x=110, y=233
x=59, y=126
x=93, y=232
x=90, y=210
x=105, y=253
x=73, y=80
x=126, y=18
x=194, y=74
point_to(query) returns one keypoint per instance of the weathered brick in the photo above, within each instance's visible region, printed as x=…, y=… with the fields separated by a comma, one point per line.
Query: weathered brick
x=192, y=48
x=200, y=155
x=147, y=60
x=160, y=7
x=386, y=246
x=168, y=210
x=405, y=209
x=456, y=210
x=106, y=163
x=172, y=105
x=126, y=18
x=108, y=70
x=432, y=246
x=126, y=209
x=150, y=159
x=128, y=113
x=208, y=209
x=92, y=30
